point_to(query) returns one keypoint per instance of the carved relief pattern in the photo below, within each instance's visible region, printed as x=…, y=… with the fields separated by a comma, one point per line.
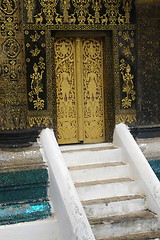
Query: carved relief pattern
x=36, y=69
x=8, y=6
x=127, y=68
x=13, y=101
x=124, y=76
x=66, y=92
x=79, y=12
x=93, y=88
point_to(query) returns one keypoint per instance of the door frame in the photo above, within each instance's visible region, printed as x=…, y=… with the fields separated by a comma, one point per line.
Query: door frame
x=109, y=109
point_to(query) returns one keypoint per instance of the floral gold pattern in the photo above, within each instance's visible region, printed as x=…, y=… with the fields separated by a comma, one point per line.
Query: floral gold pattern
x=128, y=86
x=80, y=100
x=36, y=88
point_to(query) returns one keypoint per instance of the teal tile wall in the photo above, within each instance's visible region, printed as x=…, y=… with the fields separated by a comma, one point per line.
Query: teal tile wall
x=155, y=165
x=24, y=212
x=23, y=195
x=23, y=185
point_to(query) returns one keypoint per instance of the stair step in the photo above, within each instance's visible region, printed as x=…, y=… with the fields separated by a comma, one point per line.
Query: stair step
x=100, y=171
x=114, y=206
x=106, y=181
x=81, y=147
x=138, y=236
x=107, y=188
x=96, y=165
x=115, y=226
x=91, y=156
x=113, y=199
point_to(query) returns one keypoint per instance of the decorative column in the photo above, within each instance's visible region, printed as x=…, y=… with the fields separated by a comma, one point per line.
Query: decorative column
x=13, y=97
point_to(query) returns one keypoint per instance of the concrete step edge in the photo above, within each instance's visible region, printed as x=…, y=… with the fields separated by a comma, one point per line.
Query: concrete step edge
x=97, y=165
x=107, y=181
x=86, y=147
x=124, y=218
x=137, y=236
x=112, y=199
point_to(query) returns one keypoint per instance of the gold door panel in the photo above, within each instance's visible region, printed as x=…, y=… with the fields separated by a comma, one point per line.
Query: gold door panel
x=80, y=99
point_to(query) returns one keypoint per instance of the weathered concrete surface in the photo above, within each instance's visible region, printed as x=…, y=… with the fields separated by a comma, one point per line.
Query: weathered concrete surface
x=150, y=147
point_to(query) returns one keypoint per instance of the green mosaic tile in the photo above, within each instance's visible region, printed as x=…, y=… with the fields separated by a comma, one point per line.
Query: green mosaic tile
x=23, y=177
x=155, y=165
x=23, y=193
x=24, y=212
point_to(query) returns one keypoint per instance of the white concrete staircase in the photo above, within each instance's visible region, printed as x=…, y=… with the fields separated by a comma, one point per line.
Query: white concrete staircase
x=111, y=197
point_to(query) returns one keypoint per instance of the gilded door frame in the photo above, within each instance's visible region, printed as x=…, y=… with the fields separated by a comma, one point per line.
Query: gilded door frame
x=109, y=114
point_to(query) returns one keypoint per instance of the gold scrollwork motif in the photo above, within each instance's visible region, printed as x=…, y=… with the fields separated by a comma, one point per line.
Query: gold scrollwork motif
x=36, y=87
x=85, y=12
x=11, y=47
x=129, y=118
x=49, y=10
x=128, y=85
x=12, y=70
x=93, y=88
x=9, y=26
x=112, y=11
x=35, y=52
x=35, y=37
x=81, y=9
x=127, y=6
x=65, y=5
x=39, y=121
x=8, y=6
x=29, y=5
x=66, y=92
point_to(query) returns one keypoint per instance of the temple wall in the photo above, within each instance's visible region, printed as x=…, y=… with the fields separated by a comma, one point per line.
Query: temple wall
x=27, y=94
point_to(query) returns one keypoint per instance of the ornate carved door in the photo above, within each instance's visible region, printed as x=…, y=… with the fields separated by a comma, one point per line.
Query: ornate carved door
x=80, y=98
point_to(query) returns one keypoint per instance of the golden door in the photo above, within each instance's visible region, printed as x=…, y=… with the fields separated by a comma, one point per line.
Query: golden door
x=79, y=86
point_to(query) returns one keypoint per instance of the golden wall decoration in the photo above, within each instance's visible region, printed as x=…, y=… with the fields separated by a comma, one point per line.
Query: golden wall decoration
x=127, y=68
x=127, y=118
x=92, y=72
x=8, y=7
x=80, y=99
x=66, y=90
x=124, y=75
x=40, y=88
x=36, y=69
x=79, y=12
x=40, y=19
x=36, y=87
x=13, y=95
x=29, y=5
x=128, y=85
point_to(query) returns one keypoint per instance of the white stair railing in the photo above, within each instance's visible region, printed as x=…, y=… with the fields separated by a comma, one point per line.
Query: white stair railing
x=147, y=179
x=72, y=221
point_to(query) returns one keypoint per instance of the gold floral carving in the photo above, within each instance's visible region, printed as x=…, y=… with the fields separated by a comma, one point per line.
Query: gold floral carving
x=35, y=52
x=36, y=87
x=93, y=89
x=40, y=121
x=66, y=92
x=128, y=85
x=80, y=100
x=124, y=78
x=8, y=6
x=9, y=26
x=13, y=96
x=84, y=12
x=35, y=37
x=30, y=5
x=49, y=10
x=129, y=118
x=11, y=47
